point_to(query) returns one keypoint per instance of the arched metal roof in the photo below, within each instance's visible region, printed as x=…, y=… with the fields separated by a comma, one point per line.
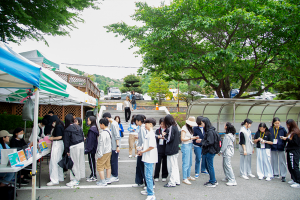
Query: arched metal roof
x=220, y=111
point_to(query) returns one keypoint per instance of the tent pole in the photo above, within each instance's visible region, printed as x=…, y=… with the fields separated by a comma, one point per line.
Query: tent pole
x=36, y=112
x=82, y=115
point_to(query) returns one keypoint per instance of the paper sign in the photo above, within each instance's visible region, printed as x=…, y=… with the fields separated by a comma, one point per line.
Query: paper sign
x=44, y=145
x=22, y=156
x=13, y=159
x=28, y=153
x=119, y=106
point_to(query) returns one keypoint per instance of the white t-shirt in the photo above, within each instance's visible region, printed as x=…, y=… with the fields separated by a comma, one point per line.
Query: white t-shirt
x=150, y=141
x=188, y=135
x=126, y=104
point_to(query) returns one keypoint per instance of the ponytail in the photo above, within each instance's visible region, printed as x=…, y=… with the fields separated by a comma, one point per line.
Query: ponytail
x=248, y=121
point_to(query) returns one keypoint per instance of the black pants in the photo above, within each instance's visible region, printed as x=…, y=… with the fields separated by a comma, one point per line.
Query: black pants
x=139, y=172
x=114, y=163
x=293, y=164
x=162, y=160
x=92, y=163
x=127, y=114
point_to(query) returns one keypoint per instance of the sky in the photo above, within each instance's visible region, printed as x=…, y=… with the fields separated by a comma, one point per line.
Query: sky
x=90, y=44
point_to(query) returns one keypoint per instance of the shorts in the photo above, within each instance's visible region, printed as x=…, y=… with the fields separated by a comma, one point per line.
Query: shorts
x=104, y=162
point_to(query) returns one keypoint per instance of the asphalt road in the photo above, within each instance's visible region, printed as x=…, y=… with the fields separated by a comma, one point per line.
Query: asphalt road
x=246, y=189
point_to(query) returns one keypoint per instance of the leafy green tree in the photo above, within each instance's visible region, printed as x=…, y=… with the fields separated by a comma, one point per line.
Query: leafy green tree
x=132, y=83
x=226, y=43
x=145, y=81
x=20, y=20
x=158, y=88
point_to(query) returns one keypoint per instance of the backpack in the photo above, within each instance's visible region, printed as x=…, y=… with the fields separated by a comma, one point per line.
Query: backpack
x=217, y=142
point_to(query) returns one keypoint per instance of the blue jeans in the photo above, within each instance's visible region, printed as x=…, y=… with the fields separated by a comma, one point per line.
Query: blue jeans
x=149, y=178
x=203, y=164
x=114, y=163
x=134, y=106
x=198, y=152
x=186, y=150
x=4, y=177
x=210, y=166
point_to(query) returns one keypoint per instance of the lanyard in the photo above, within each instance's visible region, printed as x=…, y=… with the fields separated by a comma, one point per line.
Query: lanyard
x=262, y=136
x=276, y=133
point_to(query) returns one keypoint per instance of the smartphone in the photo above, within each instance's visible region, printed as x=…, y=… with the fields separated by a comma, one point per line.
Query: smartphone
x=281, y=137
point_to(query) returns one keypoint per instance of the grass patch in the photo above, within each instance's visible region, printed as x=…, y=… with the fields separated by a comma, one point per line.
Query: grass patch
x=179, y=118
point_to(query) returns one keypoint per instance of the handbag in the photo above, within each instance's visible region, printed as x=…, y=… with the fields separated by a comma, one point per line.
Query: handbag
x=122, y=134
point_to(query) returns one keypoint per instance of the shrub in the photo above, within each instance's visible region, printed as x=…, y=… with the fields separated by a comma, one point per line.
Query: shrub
x=10, y=122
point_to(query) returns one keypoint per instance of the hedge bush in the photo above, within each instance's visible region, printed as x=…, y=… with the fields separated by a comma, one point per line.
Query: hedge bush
x=10, y=122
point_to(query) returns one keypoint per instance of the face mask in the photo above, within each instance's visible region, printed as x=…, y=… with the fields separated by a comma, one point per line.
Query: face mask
x=20, y=136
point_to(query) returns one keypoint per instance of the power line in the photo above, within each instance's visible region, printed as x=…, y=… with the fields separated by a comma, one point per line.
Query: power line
x=98, y=65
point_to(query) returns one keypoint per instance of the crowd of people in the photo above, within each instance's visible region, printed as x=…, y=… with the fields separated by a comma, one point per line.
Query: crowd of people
x=161, y=148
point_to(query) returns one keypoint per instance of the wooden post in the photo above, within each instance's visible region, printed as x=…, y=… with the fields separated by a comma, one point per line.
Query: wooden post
x=14, y=109
x=68, y=80
x=86, y=84
x=41, y=111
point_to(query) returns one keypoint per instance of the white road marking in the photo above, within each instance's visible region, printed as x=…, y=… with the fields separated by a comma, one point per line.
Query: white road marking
x=122, y=161
x=76, y=187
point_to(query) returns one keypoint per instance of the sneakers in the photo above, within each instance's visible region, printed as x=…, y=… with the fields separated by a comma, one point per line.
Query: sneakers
x=114, y=179
x=135, y=156
x=168, y=185
x=291, y=182
x=164, y=180
x=224, y=180
x=151, y=198
x=295, y=185
x=72, y=183
x=251, y=175
x=101, y=183
x=260, y=178
x=156, y=180
x=283, y=179
x=268, y=179
x=196, y=175
x=91, y=179
x=144, y=192
x=130, y=156
x=276, y=176
x=204, y=172
x=191, y=178
x=245, y=177
x=209, y=184
x=51, y=183
x=186, y=181
x=107, y=180
x=216, y=183
x=231, y=183
x=138, y=185
x=145, y=188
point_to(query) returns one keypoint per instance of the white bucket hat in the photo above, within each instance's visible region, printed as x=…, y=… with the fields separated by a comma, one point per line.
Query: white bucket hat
x=191, y=121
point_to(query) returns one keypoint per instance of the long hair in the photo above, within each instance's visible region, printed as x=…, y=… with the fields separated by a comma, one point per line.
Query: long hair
x=249, y=121
x=169, y=121
x=57, y=122
x=93, y=120
x=119, y=119
x=69, y=120
x=198, y=120
x=230, y=128
x=275, y=119
x=2, y=143
x=293, y=128
x=132, y=119
x=264, y=125
x=189, y=128
x=79, y=120
x=207, y=123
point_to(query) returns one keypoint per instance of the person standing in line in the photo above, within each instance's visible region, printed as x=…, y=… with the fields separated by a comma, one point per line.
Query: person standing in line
x=133, y=132
x=74, y=147
x=172, y=137
x=186, y=149
x=133, y=100
x=199, y=131
x=161, y=148
x=115, y=146
x=208, y=149
x=78, y=121
x=121, y=130
x=48, y=126
x=127, y=108
x=91, y=147
x=263, y=140
x=277, y=150
x=246, y=149
x=140, y=168
x=40, y=130
x=293, y=152
x=57, y=150
x=104, y=153
x=227, y=151
x=149, y=157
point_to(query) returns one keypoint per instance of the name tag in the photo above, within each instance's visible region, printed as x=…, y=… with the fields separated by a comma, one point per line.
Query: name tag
x=274, y=141
x=262, y=145
x=161, y=142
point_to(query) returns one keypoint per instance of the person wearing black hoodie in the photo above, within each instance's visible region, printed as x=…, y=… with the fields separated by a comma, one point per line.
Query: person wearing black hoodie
x=91, y=147
x=209, y=151
x=74, y=147
x=172, y=137
x=55, y=171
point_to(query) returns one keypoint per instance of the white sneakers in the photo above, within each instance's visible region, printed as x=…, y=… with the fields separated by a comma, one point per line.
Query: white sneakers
x=186, y=181
x=245, y=177
x=156, y=180
x=291, y=182
x=295, y=185
x=164, y=180
x=191, y=178
x=151, y=198
x=251, y=175
x=130, y=156
x=231, y=183
x=72, y=183
x=268, y=179
x=51, y=183
x=260, y=178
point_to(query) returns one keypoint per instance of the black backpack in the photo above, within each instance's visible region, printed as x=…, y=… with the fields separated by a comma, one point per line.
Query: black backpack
x=217, y=142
